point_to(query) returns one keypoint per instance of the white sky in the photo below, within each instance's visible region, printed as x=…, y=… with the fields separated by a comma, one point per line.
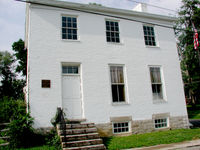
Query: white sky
x=12, y=16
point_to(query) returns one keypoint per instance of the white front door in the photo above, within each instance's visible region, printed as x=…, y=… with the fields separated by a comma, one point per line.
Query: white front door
x=71, y=92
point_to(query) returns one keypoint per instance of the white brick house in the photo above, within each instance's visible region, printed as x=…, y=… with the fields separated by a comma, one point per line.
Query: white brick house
x=116, y=68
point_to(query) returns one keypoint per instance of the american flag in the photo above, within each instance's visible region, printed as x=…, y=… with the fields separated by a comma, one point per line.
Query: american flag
x=196, y=41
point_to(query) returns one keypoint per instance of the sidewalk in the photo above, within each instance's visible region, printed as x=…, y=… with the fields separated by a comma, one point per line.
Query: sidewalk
x=187, y=145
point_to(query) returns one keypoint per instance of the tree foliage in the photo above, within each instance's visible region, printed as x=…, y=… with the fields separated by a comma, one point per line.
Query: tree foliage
x=189, y=15
x=21, y=55
x=10, y=86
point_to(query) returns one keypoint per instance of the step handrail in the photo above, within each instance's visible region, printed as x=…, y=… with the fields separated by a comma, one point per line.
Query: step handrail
x=61, y=120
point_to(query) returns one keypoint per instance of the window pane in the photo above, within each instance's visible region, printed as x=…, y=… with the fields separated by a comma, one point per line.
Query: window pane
x=64, y=36
x=113, y=74
x=117, y=40
x=121, y=93
x=157, y=91
x=69, y=19
x=155, y=75
x=63, y=30
x=63, y=24
x=115, y=93
x=74, y=36
x=74, y=20
x=63, y=18
x=120, y=75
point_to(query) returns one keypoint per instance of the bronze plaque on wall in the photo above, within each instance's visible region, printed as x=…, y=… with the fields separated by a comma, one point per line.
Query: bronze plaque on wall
x=46, y=83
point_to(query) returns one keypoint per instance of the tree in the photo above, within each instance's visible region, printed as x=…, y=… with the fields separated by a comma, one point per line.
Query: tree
x=10, y=86
x=189, y=17
x=21, y=55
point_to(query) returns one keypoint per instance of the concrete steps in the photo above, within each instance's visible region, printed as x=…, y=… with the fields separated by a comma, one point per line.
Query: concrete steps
x=3, y=134
x=80, y=136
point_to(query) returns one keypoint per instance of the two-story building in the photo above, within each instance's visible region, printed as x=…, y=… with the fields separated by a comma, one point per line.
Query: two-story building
x=117, y=68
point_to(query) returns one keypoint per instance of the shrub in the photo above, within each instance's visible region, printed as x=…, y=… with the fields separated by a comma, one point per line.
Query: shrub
x=21, y=131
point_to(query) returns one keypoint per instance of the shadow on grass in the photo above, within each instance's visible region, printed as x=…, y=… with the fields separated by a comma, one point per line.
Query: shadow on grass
x=106, y=141
x=193, y=112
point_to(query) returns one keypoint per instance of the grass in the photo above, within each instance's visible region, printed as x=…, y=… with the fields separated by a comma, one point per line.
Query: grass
x=193, y=112
x=44, y=147
x=150, y=139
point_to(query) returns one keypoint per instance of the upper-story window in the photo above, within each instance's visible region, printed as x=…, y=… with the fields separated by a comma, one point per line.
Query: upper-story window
x=69, y=28
x=112, y=31
x=156, y=83
x=149, y=35
x=117, y=83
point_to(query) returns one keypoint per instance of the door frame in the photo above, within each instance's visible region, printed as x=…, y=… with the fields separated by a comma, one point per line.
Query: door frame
x=81, y=85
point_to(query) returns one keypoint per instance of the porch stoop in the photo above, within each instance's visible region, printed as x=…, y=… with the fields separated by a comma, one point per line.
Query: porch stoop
x=80, y=136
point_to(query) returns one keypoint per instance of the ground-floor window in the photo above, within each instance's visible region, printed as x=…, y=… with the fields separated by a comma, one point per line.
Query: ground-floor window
x=120, y=127
x=161, y=123
x=117, y=83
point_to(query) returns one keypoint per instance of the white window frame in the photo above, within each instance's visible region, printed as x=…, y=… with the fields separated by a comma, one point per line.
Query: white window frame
x=112, y=20
x=129, y=127
x=71, y=65
x=125, y=87
x=155, y=35
x=77, y=26
x=161, y=123
x=163, y=99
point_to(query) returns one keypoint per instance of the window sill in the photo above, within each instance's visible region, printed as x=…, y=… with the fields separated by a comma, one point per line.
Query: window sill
x=113, y=43
x=120, y=103
x=148, y=46
x=165, y=128
x=66, y=40
x=159, y=101
x=123, y=133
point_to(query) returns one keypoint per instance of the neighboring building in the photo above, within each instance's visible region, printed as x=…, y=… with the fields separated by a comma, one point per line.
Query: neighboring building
x=116, y=68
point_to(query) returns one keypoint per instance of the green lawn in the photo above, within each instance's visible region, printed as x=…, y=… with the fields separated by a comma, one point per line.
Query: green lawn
x=150, y=139
x=193, y=113
x=45, y=147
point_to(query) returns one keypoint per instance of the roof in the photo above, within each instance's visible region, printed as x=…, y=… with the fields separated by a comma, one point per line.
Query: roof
x=101, y=9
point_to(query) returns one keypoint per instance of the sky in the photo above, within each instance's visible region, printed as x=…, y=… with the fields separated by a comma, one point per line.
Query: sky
x=12, y=15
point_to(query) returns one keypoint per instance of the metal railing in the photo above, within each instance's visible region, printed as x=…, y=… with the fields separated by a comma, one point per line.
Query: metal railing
x=61, y=121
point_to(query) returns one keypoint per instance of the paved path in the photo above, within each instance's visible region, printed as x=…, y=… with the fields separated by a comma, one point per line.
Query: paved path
x=187, y=145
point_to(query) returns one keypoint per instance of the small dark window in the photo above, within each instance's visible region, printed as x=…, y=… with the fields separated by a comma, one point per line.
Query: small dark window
x=112, y=31
x=149, y=36
x=46, y=83
x=69, y=28
x=160, y=123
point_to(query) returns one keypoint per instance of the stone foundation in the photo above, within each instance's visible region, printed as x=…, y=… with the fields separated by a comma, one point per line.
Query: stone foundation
x=144, y=126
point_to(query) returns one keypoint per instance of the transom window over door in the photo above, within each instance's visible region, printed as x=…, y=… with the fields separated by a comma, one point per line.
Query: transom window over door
x=117, y=83
x=149, y=35
x=69, y=28
x=156, y=83
x=112, y=31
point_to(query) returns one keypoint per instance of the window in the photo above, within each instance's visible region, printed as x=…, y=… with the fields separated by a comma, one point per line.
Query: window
x=117, y=83
x=69, y=28
x=149, y=36
x=160, y=123
x=112, y=31
x=121, y=127
x=70, y=70
x=156, y=83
